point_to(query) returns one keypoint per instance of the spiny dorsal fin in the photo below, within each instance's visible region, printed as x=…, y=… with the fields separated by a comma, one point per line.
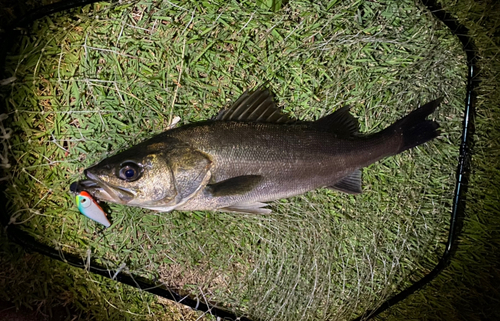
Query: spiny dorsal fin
x=340, y=122
x=350, y=184
x=254, y=106
x=235, y=186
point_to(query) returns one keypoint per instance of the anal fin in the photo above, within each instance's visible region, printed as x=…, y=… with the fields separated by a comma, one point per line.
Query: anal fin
x=350, y=184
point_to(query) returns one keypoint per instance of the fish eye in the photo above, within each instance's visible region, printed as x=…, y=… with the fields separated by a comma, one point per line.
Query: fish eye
x=129, y=172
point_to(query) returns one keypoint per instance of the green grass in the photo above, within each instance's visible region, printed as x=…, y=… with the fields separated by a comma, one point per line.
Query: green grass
x=105, y=77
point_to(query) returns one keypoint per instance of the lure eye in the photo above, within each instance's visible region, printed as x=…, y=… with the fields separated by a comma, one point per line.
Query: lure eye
x=83, y=201
x=130, y=172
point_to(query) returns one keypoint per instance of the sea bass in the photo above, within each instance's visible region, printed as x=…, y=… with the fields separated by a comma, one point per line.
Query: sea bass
x=248, y=155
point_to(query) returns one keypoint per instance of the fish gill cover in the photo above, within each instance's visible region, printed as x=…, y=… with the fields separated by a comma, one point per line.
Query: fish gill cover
x=89, y=84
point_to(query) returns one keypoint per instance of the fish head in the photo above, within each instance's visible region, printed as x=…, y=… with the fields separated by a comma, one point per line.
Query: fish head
x=158, y=175
x=137, y=177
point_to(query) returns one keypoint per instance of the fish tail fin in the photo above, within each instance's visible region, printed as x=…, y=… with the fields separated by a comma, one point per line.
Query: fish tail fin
x=414, y=129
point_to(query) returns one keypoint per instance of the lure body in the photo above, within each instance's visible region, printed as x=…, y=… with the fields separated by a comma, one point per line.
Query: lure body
x=89, y=207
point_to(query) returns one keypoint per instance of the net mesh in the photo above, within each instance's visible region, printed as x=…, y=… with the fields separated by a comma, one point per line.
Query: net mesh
x=87, y=84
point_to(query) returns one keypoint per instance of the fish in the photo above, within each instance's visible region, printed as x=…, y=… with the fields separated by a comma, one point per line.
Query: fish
x=89, y=207
x=250, y=154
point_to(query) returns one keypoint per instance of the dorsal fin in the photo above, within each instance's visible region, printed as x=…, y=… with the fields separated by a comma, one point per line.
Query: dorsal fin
x=340, y=122
x=254, y=106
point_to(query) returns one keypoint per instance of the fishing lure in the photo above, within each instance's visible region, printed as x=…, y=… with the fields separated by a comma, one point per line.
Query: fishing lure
x=89, y=207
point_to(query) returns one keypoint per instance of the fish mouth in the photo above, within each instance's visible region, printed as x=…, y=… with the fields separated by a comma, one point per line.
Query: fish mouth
x=101, y=190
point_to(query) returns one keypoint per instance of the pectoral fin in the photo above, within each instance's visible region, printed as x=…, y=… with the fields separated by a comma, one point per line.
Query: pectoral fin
x=350, y=184
x=235, y=186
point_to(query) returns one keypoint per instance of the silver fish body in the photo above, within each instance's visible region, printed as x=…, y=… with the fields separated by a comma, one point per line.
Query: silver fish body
x=250, y=154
